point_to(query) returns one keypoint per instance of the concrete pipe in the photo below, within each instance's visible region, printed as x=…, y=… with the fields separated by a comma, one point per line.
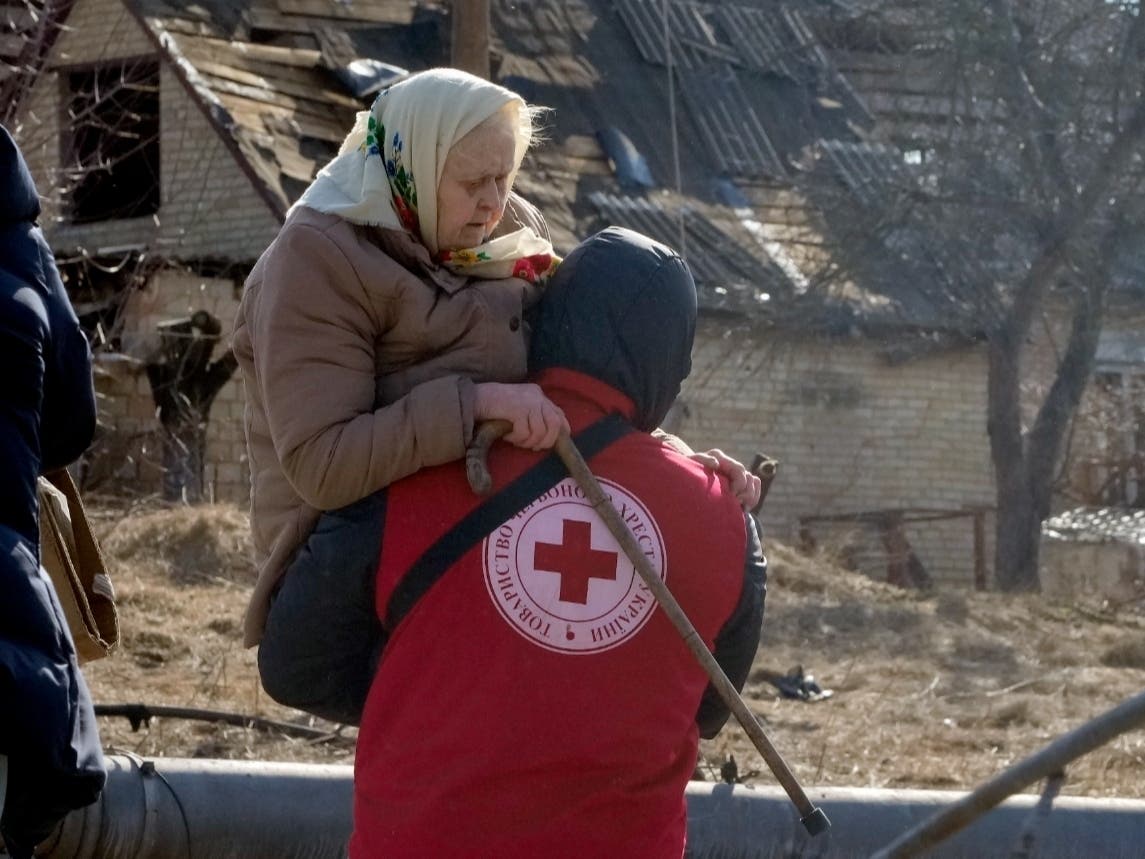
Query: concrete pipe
x=172, y=808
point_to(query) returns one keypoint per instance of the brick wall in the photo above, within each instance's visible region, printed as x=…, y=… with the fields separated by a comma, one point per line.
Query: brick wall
x=209, y=207
x=95, y=31
x=132, y=440
x=852, y=432
x=1076, y=569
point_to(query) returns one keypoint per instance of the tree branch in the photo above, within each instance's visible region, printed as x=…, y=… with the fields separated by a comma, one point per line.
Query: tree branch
x=1040, y=131
x=1072, y=220
x=1134, y=45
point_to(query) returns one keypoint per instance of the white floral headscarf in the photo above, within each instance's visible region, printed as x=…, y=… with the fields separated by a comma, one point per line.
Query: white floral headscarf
x=399, y=146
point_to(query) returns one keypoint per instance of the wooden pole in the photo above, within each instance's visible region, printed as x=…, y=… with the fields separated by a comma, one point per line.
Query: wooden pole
x=469, y=49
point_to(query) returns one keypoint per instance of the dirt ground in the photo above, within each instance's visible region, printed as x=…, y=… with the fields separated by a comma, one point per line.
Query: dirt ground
x=928, y=691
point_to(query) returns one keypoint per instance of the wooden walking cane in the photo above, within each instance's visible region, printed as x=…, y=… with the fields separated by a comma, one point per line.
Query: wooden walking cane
x=812, y=818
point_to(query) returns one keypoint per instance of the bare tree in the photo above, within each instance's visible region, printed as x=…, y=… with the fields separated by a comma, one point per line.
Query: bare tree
x=30, y=28
x=1023, y=193
x=1105, y=454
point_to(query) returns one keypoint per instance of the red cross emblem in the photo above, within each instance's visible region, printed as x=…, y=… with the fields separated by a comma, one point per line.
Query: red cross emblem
x=575, y=561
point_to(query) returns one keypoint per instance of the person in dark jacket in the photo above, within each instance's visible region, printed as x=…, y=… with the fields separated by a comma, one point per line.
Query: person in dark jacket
x=48, y=733
x=527, y=676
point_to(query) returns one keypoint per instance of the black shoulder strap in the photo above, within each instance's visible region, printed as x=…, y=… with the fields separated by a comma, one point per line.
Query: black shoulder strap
x=482, y=520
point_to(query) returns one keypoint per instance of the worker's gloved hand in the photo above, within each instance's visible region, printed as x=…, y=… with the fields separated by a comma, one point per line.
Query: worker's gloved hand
x=744, y=484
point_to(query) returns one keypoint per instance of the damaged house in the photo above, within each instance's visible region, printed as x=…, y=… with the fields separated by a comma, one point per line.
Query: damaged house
x=170, y=139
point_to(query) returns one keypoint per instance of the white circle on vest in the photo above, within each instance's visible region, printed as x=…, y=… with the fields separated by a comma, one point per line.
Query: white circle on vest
x=558, y=576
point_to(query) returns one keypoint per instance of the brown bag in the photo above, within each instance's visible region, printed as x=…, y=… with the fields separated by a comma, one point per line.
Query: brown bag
x=73, y=561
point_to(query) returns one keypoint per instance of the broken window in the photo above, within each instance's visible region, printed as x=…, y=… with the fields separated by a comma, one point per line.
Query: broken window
x=111, y=147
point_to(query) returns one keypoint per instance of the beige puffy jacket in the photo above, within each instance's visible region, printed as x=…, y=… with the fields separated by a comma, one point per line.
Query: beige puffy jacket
x=358, y=355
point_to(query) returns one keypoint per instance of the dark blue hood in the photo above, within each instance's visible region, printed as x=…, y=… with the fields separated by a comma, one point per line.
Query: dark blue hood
x=622, y=309
x=19, y=201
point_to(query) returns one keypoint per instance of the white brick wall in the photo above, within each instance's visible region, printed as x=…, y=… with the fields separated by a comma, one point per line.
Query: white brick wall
x=99, y=30
x=209, y=207
x=129, y=409
x=852, y=432
x=95, y=31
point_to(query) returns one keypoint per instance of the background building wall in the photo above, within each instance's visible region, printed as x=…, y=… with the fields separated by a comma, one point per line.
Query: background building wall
x=852, y=433
x=209, y=207
x=1075, y=569
x=128, y=451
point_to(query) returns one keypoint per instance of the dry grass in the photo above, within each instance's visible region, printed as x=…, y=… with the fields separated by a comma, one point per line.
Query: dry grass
x=182, y=576
x=930, y=691
x=937, y=691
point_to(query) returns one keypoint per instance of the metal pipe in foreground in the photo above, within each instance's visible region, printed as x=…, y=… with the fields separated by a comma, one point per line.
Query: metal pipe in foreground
x=173, y=808
x=726, y=822
x=177, y=808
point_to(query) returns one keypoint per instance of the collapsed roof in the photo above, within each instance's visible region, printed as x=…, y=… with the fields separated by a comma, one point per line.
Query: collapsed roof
x=693, y=140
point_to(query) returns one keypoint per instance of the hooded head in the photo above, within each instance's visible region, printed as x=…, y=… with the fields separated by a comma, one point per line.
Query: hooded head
x=18, y=199
x=622, y=309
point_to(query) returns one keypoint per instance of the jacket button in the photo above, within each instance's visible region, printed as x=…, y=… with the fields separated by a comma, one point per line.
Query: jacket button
x=514, y=323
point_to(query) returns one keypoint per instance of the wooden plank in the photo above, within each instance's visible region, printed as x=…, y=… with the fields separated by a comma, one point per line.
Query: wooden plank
x=270, y=19
x=198, y=51
x=181, y=26
x=18, y=18
x=11, y=45
x=289, y=105
x=302, y=58
x=582, y=146
x=316, y=78
x=249, y=113
x=588, y=166
x=314, y=93
x=293, y=163
x=372, y=11
x=297, y=71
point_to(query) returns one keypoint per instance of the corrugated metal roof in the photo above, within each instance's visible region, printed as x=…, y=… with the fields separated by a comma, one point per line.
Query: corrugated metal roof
x=265, y=70
x=832, y=82
x=724, y=271
x=867, y=169
x=702, y=35
x=735, y=137
x=694, y=41
x=732, y=62
x=1097, y=525
x=764, y=42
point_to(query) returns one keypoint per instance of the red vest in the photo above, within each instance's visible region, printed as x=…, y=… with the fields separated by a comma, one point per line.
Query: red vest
x=536, y=702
